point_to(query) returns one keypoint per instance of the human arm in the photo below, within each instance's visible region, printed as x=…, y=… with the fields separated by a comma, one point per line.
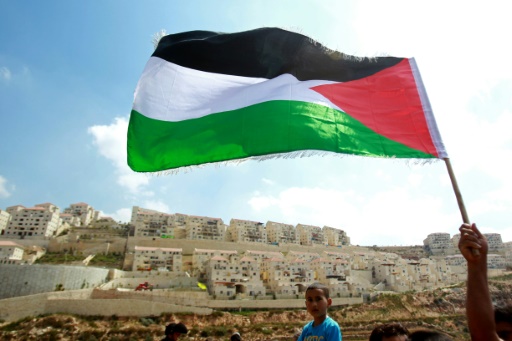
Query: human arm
x=479, y=308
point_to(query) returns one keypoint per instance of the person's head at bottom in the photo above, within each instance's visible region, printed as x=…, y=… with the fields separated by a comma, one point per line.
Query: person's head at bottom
x=236, y=337
x=174, y=330
x=389, y=332
x=503, y=319
x=429, y=335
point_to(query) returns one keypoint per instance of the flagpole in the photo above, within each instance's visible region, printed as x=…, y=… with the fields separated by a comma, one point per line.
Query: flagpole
x=456, y=189
x=458, y=195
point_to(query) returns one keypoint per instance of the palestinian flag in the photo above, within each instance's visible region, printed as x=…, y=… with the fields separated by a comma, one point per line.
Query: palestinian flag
x=207, y=97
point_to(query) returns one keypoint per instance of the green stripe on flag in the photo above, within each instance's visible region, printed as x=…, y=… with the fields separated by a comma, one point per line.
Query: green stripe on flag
x=266, y=128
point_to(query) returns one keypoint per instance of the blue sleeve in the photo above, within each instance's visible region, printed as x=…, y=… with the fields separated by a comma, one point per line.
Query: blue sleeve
x=301, y=337
x=334, y=333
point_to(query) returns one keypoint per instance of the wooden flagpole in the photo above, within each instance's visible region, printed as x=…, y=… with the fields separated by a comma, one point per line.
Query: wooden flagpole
x=456, y=189
x=458, y=195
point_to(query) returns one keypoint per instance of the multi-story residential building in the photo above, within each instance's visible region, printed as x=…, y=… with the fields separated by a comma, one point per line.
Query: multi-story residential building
x=252, y=277
x=332, y=273
x=260, y=256
x=361, y=260
x=310, y=235
x=456, y=260
x=246, y=231
x=336, y=255
x=495, y=261
x=276, y=275
x=4, y=220
x=197, y=227
x=218, y=277
x=42, y=220
x=335, y=237
x=10, y=252
x=494, y=241
x=281, y=233
x=507, y=246
x=201, y=256
x=70, y=219
x=157, y=258
x=84, y=212
x=150, y=223
x=305, y=256
x=439, y=244
x=234, y=276
x=140, y=215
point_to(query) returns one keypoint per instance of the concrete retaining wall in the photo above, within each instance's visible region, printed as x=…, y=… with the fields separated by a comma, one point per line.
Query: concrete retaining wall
x=22, y=280
x=130, y=303
x=80, y=302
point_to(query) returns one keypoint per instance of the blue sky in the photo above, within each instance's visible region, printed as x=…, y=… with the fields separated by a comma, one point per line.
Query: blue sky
x=68, y=70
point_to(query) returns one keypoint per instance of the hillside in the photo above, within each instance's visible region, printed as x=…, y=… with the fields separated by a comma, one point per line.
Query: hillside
x=441, y=309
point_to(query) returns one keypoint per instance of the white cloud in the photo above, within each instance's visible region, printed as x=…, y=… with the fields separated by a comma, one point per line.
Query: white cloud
x=111, y=143
x=157, y=206
x=267, y=181
x=4, y=193
x=123, y=215
x=366, y=220
x=5, y=73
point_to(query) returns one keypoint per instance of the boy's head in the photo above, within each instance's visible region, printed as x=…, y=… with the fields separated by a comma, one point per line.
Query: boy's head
x=389, y=332
x=319, y=286
x=503, y=319
x=317, y=301
x=174, y=330
x=429, y=335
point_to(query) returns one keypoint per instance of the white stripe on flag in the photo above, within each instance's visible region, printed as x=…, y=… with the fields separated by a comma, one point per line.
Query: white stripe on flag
x=170, y=92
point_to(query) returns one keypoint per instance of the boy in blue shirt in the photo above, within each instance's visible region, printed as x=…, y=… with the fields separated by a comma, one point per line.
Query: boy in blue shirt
x=322, y=328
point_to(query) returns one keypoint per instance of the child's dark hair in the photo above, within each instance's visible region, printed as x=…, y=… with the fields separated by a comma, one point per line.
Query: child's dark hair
x=503, y=313
x=320, y=286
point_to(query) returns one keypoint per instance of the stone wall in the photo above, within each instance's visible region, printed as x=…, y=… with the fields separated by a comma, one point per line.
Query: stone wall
x=80, y=302
x=130, y=303
x=22, y=280
x=188, y=246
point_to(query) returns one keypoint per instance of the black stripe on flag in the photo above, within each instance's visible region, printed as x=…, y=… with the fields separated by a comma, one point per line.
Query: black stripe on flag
x=266, y=53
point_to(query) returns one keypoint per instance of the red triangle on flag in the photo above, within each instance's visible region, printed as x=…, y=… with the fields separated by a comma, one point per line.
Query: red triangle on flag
x=387, y=102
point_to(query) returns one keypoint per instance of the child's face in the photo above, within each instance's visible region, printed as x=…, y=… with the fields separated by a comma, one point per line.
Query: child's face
x=317, y=303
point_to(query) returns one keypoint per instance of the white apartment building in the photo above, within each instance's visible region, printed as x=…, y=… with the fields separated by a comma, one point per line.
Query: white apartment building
x=10, y=252
x=4, y=220
x=281, y=233
x=205, y=228
x=143, y=215
x=260, y=256
x=70, y=219
x=335, y=237
x=157, y=258
x=235, y=276
x=361, y=260
x=277, y=274
x=218, y=281
x=495, y=261
x=332, y=273
x=439, y=244
x=200, y=257
x=251, y=277
x=494, y=241
x=336, y=255
x=456, y=260
x=305, y=256
x=246, y=231
x=507, y=246
x=40, y=221
x=83, y=211
x=310, y=235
